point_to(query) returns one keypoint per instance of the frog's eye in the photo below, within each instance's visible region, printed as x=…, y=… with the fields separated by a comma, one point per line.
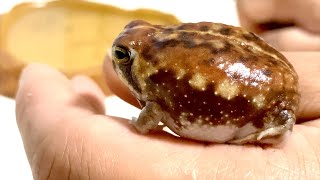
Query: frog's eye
x=121, y=54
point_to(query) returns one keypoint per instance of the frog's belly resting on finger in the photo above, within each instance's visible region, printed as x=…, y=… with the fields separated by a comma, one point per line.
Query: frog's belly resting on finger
x=207, y=81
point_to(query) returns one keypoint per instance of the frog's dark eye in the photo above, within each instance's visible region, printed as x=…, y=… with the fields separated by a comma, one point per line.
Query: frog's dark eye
x=121, y=55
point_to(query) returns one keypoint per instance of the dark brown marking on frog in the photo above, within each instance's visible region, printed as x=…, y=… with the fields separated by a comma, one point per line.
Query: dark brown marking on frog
x=187, y=39
x=266, y=72
x=166, y=43
x=188, y=43
x=251, y=37
x=235, y=76
x=209, y=37
x=243, y=59
x=226, y=31
x=168, y=31
x=191, y=101
x=209, y=62
x=187, y=35
x=204, y=28
x=153, y=40
x=148, y=55
x=187, y=26
x=249, y=60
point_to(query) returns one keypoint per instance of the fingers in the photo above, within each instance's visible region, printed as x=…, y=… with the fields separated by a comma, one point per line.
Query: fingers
x=115, y=85
x=292, y=39
x=302, y=13
x=307, y=66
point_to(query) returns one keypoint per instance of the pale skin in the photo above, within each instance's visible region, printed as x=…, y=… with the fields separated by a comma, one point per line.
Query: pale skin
x=67, y=135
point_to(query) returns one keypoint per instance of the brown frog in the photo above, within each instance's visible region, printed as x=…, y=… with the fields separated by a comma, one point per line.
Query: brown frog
x=207, y=81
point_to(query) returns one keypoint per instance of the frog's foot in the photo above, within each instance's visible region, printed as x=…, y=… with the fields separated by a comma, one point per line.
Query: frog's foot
x=272, y=135
x=149, y=118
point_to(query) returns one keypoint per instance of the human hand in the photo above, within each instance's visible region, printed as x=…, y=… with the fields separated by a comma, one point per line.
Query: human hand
x=288, y=25
x=67, y=135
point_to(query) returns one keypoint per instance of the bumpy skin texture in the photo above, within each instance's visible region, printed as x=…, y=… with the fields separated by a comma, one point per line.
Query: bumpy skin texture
x=207, y=81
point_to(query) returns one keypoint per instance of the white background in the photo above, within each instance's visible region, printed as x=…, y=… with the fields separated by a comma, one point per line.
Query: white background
x=13, y=162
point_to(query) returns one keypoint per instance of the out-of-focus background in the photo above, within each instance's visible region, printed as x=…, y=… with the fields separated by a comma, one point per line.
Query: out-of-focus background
x=28, y=26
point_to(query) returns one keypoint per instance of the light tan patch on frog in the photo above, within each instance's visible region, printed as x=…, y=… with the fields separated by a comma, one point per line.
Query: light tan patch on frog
x=259, y=101
x=197, y=41
x=198, y=81
x=144, y=70
x=217, y=44
x=227, y=89
x=180, y=73
x=215, y=27
x=161, y=36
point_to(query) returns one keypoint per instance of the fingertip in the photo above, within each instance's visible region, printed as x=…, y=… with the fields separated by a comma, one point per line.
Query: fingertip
x=37, y=81
x=40, y=99
x=37, y=70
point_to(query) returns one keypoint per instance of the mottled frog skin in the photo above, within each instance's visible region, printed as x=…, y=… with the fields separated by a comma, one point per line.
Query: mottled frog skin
x=207, y=82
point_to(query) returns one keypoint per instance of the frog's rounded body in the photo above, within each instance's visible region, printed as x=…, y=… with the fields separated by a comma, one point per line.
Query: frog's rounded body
x=207, y=81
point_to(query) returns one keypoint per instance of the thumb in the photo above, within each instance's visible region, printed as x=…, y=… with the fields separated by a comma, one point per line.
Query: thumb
x=48, y=104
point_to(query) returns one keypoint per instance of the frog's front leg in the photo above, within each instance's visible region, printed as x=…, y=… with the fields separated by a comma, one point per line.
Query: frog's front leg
x=149, y=118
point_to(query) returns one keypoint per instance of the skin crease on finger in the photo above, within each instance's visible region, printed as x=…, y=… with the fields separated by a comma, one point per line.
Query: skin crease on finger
x=83, y=144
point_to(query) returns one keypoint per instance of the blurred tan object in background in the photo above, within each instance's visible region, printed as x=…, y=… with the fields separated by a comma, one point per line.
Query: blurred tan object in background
x=73, y=36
